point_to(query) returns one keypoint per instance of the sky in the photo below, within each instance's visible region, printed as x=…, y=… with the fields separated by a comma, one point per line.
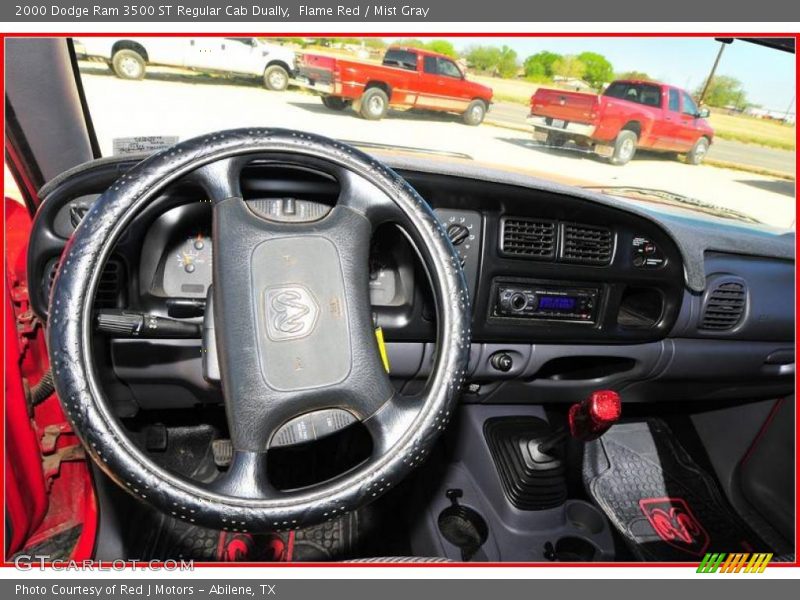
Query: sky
x=767, y=75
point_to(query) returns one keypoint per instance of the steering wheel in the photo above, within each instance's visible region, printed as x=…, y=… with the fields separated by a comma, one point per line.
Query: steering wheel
x=294, y=329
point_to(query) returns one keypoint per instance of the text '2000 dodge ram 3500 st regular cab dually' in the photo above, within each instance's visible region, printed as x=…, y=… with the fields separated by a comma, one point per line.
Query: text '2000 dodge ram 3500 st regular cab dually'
x=407, y=78
x=627, y=116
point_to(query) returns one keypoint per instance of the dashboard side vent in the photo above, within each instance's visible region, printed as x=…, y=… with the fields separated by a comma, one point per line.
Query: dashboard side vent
x=586, y=244
x=110, y=288
x=528, y=238
x=724, y=305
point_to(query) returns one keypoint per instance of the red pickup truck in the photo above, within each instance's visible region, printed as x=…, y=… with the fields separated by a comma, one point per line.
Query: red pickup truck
x=408, y=78
x=628, y=115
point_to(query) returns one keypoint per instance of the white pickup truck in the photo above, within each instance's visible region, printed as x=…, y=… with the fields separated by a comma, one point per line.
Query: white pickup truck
x=129, y=57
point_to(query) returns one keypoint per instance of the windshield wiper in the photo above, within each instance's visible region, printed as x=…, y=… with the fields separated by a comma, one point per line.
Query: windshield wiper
x=412, y=149
x=680, y=199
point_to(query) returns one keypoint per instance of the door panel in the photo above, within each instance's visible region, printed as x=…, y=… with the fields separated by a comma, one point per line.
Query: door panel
x=26, y=496
x=668, y=129
x=688, y=131
x=441, y=85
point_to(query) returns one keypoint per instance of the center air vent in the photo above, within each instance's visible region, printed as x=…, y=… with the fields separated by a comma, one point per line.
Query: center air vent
x=724, y=305
x=528, y=238
x=586, y=244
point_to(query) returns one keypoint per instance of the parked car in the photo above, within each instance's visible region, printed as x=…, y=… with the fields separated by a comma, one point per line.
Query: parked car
x=407, y=78
x=129, y=57
x=627, y=116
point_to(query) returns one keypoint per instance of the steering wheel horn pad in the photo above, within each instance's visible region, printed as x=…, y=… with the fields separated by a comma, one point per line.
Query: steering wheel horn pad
x=293, y=329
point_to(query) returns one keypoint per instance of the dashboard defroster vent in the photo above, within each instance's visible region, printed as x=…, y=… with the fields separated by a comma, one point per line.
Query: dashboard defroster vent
x=528, y=238
x=724, y=305
x=586, y=244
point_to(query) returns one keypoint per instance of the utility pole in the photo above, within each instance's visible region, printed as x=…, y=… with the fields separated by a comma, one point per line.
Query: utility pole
x=723, y=42
x=789, y=110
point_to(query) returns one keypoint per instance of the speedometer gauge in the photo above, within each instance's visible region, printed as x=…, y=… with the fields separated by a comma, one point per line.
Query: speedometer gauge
x=187, y=271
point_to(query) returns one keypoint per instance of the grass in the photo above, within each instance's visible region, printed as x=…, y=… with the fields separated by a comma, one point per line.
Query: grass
x=749, y=130
x=516, y=91
x=748, y=169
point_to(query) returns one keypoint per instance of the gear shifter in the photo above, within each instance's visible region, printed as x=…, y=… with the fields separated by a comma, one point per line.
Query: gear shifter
x=530, y=457
x=590, y=419
x=587, y=420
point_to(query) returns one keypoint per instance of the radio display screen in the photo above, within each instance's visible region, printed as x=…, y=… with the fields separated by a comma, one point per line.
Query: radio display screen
x=565, y=303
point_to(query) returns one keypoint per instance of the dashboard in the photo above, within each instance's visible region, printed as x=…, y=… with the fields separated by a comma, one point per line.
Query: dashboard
x=569, y=292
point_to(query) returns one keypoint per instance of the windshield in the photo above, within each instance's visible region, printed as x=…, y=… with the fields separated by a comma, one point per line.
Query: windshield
x=691, y=124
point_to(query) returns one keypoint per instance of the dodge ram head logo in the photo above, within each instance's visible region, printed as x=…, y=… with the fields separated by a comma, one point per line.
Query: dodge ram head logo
x=674, y=522
x=291, y=312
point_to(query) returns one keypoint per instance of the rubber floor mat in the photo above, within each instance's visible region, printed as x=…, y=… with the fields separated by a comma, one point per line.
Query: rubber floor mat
x=167, y=538
x=665, y=506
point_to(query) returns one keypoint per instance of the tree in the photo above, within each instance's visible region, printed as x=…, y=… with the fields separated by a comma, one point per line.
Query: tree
x=598, y=69
x=724, y=90
x=347, y=41
x=497, y=61
x=374, y=43
x=636, y=75
x=569, y=67
x=483, y=58
x=539, y=66
x=410, y=43
x=442, y=47
x=507, y=65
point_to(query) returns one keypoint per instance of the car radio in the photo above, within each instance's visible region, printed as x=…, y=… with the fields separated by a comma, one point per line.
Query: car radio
x=546, y=302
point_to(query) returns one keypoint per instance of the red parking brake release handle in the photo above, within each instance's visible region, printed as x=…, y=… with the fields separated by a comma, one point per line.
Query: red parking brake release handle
x=590, y=419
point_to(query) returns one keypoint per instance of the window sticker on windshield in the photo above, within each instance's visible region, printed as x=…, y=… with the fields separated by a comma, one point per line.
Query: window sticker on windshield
x=143, y=144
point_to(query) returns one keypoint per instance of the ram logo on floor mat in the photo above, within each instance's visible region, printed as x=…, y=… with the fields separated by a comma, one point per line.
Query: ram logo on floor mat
x=673, y=521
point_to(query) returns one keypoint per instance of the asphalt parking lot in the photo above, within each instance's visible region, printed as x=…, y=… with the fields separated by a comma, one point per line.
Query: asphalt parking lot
x=169, y=103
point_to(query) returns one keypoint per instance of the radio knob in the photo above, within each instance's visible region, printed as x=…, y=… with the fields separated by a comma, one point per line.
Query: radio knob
x=457, y=233
x=518, y=301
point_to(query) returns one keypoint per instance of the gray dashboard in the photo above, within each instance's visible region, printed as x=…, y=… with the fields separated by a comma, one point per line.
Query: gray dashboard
x=681, y=355
x=695, y=235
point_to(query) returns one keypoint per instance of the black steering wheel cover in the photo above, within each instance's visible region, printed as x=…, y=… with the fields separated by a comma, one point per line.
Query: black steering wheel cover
x=82, y=397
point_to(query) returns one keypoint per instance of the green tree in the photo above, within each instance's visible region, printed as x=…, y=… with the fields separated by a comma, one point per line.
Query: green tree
x=569, y=67
x=637, y=75
x=410, y=43
x=483, y=58
x=347, y=40
x=724, y=90
x=539, y=66
x=442, y=47
x=374, y=43
x=598, y=68
x=507, y=65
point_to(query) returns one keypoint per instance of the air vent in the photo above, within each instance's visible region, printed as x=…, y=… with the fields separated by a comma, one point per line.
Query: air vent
x=724, y=306
x=528, y=238
x=110, y=288
x=586, y=244
x=111, y=285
